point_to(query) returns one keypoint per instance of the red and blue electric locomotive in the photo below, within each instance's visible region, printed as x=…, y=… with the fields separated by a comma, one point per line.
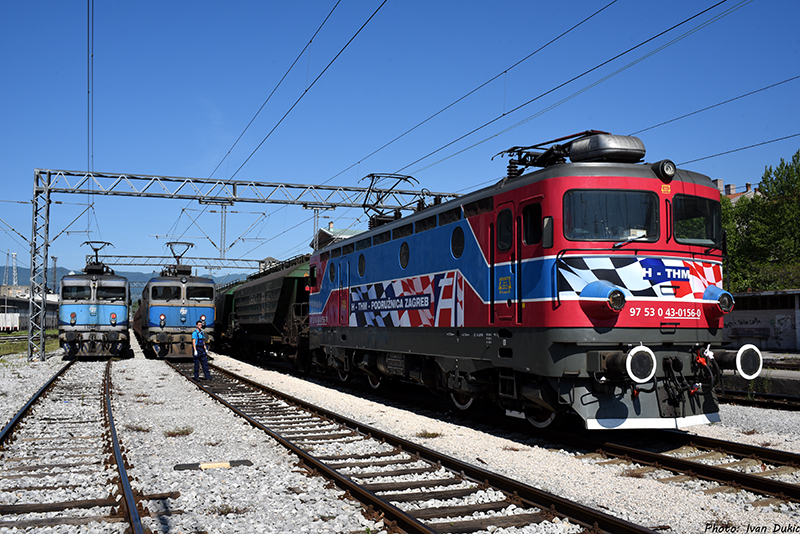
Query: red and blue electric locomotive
x=591, y=285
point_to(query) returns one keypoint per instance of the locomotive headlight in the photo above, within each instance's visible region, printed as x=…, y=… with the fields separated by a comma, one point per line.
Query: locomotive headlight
x=717, y=302
x=602, y=300
x=616, y=300
x=162, y=320
x=203, y=318
x=113, y=319
x=725, y=302
x=73, y=318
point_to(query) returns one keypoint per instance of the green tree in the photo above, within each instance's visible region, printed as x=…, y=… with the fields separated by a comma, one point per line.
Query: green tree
x=764, y=232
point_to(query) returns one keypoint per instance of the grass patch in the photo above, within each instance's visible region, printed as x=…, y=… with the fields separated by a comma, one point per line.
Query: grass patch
x=750, y=432
x=183, y=431
x=428, y=435
x=137, y=428
x=16, y=347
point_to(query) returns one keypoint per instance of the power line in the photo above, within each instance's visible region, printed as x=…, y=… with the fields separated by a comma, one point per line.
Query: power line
x=542, y=95
x=740, y=149
x=276, y=88
x=473, y=91
x=715, y=105
x=308, y=88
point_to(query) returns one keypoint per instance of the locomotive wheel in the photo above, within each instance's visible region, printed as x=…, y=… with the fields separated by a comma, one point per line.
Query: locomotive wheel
x=540, y=418
x=462, y=401
x=375, y=382
x=344, y=376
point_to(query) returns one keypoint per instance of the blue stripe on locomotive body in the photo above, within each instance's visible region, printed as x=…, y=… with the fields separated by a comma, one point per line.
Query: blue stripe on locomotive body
x=93, y=314
x=180, y=316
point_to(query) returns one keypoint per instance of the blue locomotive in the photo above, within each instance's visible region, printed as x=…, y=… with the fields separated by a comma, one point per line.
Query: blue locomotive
x=170, y=307
x=93, y=312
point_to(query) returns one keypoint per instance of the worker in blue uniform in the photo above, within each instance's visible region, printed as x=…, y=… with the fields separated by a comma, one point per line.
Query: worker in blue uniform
x=200, y=354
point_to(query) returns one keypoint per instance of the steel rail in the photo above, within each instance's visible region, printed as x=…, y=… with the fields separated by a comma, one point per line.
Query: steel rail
x=722, y=475
x=578, y=513
x=9, y=428
x=774, y=401
x=392, y=513
x=130, y=502
x=742, y=449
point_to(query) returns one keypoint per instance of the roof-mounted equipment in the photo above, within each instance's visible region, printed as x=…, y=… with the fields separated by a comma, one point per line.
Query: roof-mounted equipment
x=588, y=146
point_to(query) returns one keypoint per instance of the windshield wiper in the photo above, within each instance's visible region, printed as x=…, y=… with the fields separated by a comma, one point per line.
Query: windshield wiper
x=632, y=238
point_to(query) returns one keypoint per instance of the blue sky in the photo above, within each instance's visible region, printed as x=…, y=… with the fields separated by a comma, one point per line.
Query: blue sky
x=175, y=84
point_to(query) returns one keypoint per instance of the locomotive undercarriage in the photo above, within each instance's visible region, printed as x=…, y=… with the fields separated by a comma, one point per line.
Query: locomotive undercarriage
x=616, y=384
x=93, y=343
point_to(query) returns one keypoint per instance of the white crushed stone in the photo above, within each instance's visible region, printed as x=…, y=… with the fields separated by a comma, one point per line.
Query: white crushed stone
x=643, y=501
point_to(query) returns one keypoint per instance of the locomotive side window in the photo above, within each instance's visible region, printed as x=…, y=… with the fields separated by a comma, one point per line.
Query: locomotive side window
x=111, y=292
x=382, y=238
x=364, y=244
x=332, y=272
x=348, y=249
x=165, y=293
x=404, y=254
x=199, y=292
x=457, y=242
x=697, y=221
x=425, y=224
x=362, y=265
x=335, y=253
x=611, y=215
x=403, y=231
x=76, y=292
x=483, y=205
x=532, y=224
x=505, y=230
x=450, y=216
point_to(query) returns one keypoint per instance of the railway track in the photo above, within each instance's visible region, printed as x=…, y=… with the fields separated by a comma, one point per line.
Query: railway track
x=411, y=488
x=60, y=459
x=726, y=467
x=770, y=401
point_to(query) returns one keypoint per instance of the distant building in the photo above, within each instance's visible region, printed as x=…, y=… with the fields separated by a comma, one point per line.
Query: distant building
x=729, y=190
x=770, y=320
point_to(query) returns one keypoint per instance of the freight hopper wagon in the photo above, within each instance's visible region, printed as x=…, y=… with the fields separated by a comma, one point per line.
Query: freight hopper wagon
x=592, y=285
x=93, y=313
x=268, y=313
x=169, y=310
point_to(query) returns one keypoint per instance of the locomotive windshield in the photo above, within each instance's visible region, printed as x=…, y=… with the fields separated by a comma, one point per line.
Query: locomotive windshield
x=610, y=215
x=76, y=292
x=166, y=293
x=199, y=292
x=697, y=221
x=111, y=292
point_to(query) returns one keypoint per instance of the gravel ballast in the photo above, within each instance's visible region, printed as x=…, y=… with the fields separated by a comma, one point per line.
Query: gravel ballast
x=640, y=500
x=273, y=495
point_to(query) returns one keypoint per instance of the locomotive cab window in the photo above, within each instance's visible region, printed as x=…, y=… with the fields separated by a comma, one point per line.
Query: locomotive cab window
x=532, y=224
x=593, y=215
x=111, y=292
x=76, y=292
x=697, y=221
x=199, y=292
x=165, y=293
x=505, y=230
